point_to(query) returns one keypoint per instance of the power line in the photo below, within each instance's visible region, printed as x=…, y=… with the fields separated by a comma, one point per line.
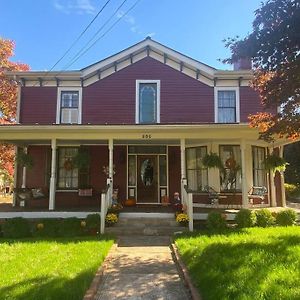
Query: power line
x=103, y=35
x=79, y=37
x=99, y=30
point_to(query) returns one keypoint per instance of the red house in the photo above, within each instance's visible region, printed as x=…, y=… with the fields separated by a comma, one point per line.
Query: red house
x=145, y=117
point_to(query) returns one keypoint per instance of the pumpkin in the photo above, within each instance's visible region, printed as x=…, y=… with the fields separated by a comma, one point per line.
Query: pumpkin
x=130, y=202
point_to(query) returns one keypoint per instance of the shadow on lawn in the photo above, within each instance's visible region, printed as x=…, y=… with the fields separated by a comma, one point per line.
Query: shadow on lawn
x=49, y=288
x=247, y=270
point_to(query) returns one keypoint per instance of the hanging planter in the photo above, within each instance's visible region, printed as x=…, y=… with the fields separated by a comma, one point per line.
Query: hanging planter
x=212, y=160
x=275, y=163
x=24, y=160
x=81, y=160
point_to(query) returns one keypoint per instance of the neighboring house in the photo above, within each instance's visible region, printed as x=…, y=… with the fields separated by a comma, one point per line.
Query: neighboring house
x=145, y=117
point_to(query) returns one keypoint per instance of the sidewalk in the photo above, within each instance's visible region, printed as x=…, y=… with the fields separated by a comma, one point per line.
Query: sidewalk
x=141, y=267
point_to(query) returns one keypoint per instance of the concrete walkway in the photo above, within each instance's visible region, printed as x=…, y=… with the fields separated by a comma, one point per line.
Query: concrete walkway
x=142, y=267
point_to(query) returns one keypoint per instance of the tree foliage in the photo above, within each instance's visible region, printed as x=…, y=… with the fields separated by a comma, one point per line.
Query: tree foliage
x=274, y=46
x=8, y=100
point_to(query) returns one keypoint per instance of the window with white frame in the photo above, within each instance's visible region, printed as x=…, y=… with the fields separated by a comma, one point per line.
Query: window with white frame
x=227, y=105
x=147, y=101
x=230, y=173
x=197, y=175
x=259, y=172
x=68, y=174
x=69, y=107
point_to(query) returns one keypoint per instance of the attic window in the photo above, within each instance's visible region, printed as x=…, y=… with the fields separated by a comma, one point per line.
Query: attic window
x=147, y=101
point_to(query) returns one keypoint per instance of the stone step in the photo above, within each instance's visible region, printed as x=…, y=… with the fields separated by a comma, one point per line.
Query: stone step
x=143, y=222
x=145, y=230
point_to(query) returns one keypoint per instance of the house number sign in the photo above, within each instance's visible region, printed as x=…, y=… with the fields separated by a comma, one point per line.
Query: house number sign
x=147, y=136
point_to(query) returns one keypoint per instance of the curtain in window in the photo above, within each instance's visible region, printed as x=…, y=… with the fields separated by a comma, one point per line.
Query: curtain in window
x=230, y=174
x=259, y=173
x=148, y=102
x=196, y=174
x=226, y=107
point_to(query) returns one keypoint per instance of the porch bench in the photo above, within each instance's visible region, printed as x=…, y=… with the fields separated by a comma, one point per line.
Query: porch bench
x=257, y=195
x=31, y=197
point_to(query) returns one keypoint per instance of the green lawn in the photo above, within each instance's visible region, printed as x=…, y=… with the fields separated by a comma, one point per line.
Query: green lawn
x=61, y=268
x=255, y=263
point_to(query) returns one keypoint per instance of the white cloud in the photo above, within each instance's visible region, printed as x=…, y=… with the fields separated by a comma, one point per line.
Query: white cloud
x=133, y=26
x=74, y=6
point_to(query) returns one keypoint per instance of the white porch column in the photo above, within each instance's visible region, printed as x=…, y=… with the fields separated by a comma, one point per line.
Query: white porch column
x=183, y=168
x=111, y=163
x=15, y=176
x=272, y=185
x=245, y=202
x=283, y=196
x=53, y=176
x=24, y=172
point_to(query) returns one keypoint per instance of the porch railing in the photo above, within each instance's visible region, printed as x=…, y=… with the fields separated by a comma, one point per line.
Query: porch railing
x=106, y=201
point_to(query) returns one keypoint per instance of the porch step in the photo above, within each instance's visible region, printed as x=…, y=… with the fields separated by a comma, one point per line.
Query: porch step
x=145, y=226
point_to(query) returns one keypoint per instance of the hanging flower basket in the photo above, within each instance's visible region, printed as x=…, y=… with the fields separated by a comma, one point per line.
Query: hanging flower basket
x=275, y=163
x=212, y=160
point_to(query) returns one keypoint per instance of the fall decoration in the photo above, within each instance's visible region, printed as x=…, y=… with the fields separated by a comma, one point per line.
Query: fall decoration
x=111, y=219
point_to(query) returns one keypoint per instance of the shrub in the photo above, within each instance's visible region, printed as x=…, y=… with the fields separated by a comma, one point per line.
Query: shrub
x=264, y=218
x=216, y=221
x=50, y=227
x=292, y=190
x=286, y=217
x=70, y=227
x=111, y=219
x=16, y=228
x=245, y=218
x=182, y=219
x=93, y=221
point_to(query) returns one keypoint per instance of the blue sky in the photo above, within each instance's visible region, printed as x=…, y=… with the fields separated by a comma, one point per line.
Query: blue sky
x=44, y=29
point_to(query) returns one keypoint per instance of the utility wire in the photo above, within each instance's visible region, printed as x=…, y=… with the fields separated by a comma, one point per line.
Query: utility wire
x=98, y=39
x=78, y=38
x=97, y=32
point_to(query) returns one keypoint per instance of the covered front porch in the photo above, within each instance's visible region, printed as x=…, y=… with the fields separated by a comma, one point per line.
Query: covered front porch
x=147, y=163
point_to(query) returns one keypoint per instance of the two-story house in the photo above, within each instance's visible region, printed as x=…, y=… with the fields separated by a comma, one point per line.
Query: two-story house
x=145, y=117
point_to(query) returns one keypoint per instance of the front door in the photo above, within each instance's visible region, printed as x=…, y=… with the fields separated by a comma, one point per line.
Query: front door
x=147, y=183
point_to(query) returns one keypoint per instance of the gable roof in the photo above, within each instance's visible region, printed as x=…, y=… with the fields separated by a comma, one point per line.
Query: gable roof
x=130, y=55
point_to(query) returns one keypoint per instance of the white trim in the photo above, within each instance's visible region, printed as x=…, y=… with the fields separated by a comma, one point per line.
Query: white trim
x=137, y=100
x=130, y=215
x=46, y=214
x=237, y=101
x=58, y=101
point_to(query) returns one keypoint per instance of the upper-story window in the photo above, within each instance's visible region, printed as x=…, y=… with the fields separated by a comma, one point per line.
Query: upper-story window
x=147, y=101
x=69, y=106
x=227, y=108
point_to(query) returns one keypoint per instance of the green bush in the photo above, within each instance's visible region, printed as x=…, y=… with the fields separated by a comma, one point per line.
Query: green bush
x=16, y=228
x=70, y=227
x=216, y=221
x=93, y=221
x=264, y=218
x=49, y=228
x=245, y=218
x=292, y=190
x=286, y=217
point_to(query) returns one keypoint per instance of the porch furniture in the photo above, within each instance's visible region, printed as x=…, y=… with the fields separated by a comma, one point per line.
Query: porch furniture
x=213, y=195
x=35, y=197
x=257, y=194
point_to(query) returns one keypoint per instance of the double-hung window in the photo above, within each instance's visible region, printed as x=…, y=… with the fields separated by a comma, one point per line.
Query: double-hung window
x=147, y=101
x=227, y=105
x=259, y=172
x=197, y=175
x=69, y=105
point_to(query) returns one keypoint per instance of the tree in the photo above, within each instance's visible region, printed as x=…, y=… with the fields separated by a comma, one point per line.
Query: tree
x=274, y=47
x=8, y=101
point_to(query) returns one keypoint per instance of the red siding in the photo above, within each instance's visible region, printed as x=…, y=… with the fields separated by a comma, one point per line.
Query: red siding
x=112, y=99
x=38, y=105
